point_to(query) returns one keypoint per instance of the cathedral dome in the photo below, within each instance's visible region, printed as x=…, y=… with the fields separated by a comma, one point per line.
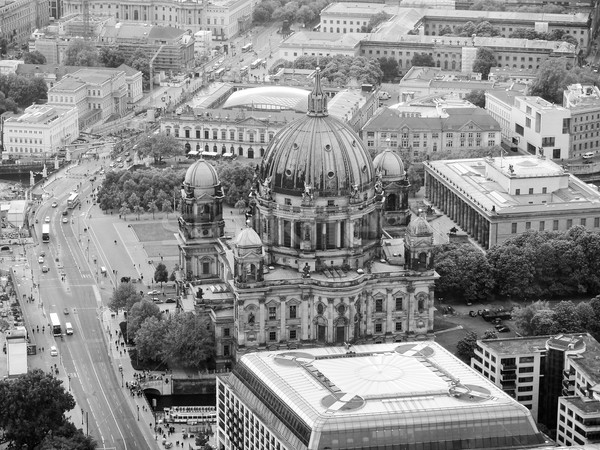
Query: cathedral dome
x=317, y=153
x=419, y=226
x=390, y=164
x=201, y=174
x=248, y=238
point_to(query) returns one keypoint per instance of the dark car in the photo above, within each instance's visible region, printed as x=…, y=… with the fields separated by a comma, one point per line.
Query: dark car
x=170, y=300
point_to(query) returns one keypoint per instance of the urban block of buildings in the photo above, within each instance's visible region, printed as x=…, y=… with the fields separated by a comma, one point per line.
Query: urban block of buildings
x=310, y=269
x=539, y=127
x=243, y=123
x=556, y=377
x=458, y=131
x=223, y=18
x=494, y=199
x=18, y=18
x=170, y=49
x=40, y=131
x=395, y=395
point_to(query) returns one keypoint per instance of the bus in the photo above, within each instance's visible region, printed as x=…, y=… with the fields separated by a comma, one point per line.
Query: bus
x=246, y=48
x=219, y=73
x=256, y=64
x=46, y=232
x=73, y=200
x=192, y=415
x=56, y=330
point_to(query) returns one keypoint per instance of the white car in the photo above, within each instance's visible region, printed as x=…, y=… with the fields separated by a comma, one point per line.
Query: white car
x=588, y=155
x=41, y=260
x=53, y=351
x=47, y=219
x=154, y=292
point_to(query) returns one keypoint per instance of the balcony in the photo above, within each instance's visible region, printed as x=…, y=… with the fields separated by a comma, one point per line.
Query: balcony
x=568, y=373
x=508, y=376
x=567, y=384
x=508, y=385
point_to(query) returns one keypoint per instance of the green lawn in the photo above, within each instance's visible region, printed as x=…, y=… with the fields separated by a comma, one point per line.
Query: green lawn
x=155, y=231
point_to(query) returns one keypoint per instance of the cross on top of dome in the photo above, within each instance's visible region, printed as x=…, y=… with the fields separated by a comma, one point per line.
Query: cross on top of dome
x=317, y=100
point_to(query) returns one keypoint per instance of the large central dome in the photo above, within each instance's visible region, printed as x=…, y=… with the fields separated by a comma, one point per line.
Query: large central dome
x=319, y=153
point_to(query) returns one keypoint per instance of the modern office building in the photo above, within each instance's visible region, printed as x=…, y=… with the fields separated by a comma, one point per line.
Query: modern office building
x=40, y=131
x=493, y=199
x=532, y=124
x=395, y=395
x=456, y=132
x=224, y=18
x=311, y=269
x=19, y=18
x=556, y=377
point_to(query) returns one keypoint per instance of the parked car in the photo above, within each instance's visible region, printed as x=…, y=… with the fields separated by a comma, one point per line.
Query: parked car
x=41, y=260
x=65, y=220
x=47, y=219
x=45, y=269
x=54, y=204
x=502, y=329
x=588, y=155
x=53, y=351
x=66, y=311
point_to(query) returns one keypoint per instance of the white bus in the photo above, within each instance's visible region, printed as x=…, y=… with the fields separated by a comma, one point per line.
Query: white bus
x=73, y=200
x=256, y=64
x=46, y=232
x=219, y=73
x=191, y=415
x=246, y=48
x=56, y=329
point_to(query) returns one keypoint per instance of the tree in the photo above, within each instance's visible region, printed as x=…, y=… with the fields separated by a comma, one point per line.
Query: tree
x=490, y=334
x=566, y=318
x=123, y=211
x=465, y=348
x=543, y=323
x=161, y=274
x=305, y=14
x=415, y=179
x=262, y=13
x=389, y=67
x=464, y=272
x=523, y=316
x=286, y=12
x=477, y=97
x=341, y=69
x=555, y=75
x=22, y=90
x=140, y=61
x=159, y=146
x=32, y=405
x=124, y=297
x=153, y=208
x=189, y=340
x=485, y=59
x=167, y=207
x=524, y=33
x=202, y=440
x=7, y=104
x=138, y=314
x=422, y=60
x=81, y=53
x=236, y=181
x=67, y=437
x=34, y=57
x=111, y=57
x=150, y=339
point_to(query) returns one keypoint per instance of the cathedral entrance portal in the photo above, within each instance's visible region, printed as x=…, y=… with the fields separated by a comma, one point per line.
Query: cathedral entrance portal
x=340, y=335
x=321, y=333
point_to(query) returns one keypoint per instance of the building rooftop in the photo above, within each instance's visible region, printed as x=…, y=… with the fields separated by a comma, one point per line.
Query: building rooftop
x=95, y=76
x=437, y=74
x=517, y=345
x=38, y=114
x=471, y=177
x=512, y=17
x=583, y=404
x=588, y=360
x=340, y=394
x=315, y=39
x=345, y=103
x=578, y=96
x=68, y=83
x=269, y=97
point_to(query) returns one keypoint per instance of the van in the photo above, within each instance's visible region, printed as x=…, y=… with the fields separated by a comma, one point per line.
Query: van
x=103, y=270
x=588, y=155
x=69, y=328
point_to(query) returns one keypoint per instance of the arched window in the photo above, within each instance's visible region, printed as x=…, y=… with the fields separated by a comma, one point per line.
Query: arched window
x=206, y=148
x=240, y=151
x=421, y=305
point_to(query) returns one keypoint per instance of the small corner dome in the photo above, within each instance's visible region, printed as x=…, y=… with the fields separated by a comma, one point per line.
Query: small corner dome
x=201, y=174
x=419, y=227
x=390, y=164
x=248, y=238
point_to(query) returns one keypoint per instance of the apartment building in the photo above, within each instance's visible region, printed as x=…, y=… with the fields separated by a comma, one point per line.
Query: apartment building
x=584, y=104
x=224, y=18
x=516, y=365
x=494, y=199
x=40, y=131
x=454, y=132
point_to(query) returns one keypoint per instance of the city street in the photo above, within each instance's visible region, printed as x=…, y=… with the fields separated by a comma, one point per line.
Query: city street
x=71, y=284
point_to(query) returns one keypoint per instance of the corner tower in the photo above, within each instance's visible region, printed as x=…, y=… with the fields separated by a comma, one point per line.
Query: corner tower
x=201, y=222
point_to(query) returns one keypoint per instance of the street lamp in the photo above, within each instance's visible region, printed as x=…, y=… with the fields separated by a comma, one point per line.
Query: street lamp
x=121, y=370
x=138, y=407
x=69, y=377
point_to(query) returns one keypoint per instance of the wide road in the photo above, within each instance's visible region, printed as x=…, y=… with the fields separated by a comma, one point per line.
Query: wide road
x=71, y=283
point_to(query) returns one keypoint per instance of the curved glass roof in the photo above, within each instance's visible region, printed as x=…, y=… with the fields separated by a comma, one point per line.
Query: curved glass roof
x=270, y=98
x=374, y=396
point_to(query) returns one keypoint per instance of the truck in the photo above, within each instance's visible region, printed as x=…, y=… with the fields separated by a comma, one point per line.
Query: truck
x=16, y=352
x=489, y=315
